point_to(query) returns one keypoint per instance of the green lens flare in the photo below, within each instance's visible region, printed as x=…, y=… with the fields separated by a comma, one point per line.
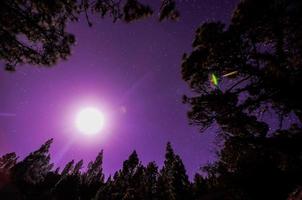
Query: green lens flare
x=214, y=79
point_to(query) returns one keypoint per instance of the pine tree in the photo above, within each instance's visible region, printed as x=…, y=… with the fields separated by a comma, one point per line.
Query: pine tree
x=78, y=166
x=173, y=180
x=34, y=32
x=94, y=172
x=128, y=182
x=35, y=166
x=168, y=10
x=93, y=178
x=69, y=184
x=257, y=61
x=199, y=187
x=8, y=161
x=131, y=177
x=67, y=169
x=181, y=180
x=150, y=181
x=165, y=186
x=28, y=174
x=105, y=192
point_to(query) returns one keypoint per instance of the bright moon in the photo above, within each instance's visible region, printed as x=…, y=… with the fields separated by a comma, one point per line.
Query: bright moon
x=90, y=121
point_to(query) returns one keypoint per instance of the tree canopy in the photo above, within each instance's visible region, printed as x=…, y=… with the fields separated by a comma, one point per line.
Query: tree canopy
x=239, y=73
x=34, y=32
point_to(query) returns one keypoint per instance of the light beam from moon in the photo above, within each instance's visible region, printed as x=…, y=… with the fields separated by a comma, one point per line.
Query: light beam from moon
x=7, y=114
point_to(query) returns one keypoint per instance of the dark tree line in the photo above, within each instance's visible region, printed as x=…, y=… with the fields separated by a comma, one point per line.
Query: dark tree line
x=34, y=31
x=34, y=178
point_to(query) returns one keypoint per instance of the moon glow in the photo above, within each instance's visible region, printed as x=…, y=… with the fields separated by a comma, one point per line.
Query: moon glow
x=89, y=121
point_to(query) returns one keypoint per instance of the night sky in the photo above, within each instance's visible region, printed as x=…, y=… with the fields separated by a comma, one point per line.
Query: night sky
x=132, y=72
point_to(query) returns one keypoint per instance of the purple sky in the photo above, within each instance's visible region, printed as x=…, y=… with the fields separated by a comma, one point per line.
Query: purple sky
x=117, y=68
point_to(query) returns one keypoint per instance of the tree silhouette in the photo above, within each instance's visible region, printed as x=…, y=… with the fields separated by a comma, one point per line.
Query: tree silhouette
x=168, y=10
x=93, y=179
x=199, y=187
x=24, y=176
x=256, y=64
x=35, y=166
x=150, y=182
x=266, y=73
x=130, y=179
x=173, y=180
x=34, y=32
x=8, y=161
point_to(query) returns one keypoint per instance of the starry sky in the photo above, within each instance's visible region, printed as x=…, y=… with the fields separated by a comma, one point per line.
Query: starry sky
x=132, y=72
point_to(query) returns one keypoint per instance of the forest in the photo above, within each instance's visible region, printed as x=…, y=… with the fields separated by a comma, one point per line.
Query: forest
x=244, y=76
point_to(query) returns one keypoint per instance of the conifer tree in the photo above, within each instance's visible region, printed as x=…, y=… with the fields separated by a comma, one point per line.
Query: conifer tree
x=78, y=166
x=165, y=186
x=199, y=187
x=168, y=10
x=256, y=63
x=94, y=172
x=34, y=32
x=93, y=178
x=27, y=175
x=8, y=161
x=173, y=180
x=150, y=181
x=128, y=181
x=35, y=166
x=67, y=169
x=181, y=180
